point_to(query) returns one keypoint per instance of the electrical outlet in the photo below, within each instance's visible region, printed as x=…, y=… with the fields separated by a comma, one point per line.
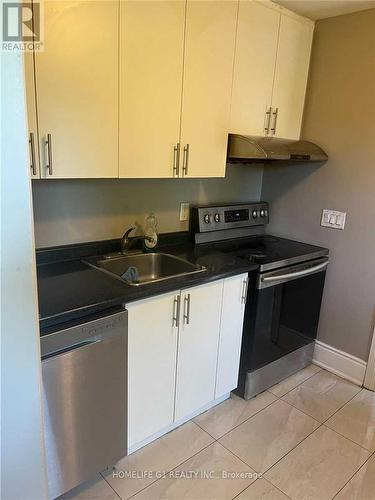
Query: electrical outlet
x=184, y=212
x=333, y=219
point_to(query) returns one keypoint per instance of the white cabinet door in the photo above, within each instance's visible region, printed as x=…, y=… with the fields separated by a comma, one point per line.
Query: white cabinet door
x=77, y=89
x=208, y=69
x=28, y=60
x=291, y=73
x=152, y=350
x=232, y=313
x=151, y=59
x=254, y=67
x=197, y=347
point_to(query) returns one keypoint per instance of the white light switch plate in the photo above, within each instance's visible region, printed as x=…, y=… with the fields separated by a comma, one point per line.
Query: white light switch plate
x=184, y=211
x=333, y=219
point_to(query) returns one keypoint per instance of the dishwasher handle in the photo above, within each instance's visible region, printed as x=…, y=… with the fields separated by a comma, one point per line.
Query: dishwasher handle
x=90, y=331
x=68, y=349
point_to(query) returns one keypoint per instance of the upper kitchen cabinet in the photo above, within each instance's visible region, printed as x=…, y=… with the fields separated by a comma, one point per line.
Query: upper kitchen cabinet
x=208, y=69
x=271, y=70
x=77, y=89
x=31, y=115
x=151, y=63
x=291, y=73
x=254, y=67
x=176, y=68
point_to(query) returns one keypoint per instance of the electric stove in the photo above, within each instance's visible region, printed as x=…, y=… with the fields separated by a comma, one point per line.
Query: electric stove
x=284, y=294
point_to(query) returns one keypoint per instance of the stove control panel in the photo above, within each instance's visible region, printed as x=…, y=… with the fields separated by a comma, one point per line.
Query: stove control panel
x=214, y=218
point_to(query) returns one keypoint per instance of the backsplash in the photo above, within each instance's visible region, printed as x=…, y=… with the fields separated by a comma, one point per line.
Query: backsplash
x=75, y=211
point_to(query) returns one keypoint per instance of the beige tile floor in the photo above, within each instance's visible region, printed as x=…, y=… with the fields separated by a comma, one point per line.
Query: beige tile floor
x=311, y=437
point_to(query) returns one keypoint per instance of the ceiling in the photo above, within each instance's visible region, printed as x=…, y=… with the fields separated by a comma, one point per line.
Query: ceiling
x=320, y=9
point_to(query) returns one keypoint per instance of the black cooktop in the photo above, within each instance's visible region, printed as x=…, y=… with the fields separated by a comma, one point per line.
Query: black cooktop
x=270, y=252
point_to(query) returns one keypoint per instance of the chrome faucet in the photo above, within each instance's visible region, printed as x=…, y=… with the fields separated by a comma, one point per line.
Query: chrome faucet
x=126, y=242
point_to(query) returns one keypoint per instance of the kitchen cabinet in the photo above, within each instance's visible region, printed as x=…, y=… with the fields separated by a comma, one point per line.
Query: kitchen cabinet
x=77, y=89
x=151, y=63
x=232, y=313
x=176, y=67
x=183, y=354
x=31, y=115
x=271, y=70
x=152, y=351
x=208, y=69
x=291, y=73
x=147, y=89
x=198, y=347
x=254, y=67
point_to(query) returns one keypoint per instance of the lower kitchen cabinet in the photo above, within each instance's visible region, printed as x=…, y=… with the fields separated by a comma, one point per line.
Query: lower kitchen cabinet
x=197, y=347
x=183, y=354
x=152, y=351
x=232, y=313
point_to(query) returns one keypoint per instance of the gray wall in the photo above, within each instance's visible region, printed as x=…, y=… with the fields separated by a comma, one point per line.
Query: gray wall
x=88, y=210
x=340, y=116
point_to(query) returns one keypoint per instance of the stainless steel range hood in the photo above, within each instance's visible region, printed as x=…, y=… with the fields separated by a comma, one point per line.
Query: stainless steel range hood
x=246, y=149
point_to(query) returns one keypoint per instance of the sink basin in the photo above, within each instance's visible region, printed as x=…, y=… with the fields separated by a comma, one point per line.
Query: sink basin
x=151, y=267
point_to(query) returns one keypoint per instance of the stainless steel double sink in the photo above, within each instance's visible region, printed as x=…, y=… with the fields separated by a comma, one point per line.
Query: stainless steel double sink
x=147, y=267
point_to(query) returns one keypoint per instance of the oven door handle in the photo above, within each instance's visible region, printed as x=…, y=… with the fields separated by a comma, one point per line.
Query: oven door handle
x=296, y=274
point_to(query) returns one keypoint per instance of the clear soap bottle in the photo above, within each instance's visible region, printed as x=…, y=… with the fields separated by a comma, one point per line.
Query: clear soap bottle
x=151, y=234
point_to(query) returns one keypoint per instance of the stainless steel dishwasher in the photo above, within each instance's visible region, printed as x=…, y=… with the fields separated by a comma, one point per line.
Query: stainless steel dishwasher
x=84, y=369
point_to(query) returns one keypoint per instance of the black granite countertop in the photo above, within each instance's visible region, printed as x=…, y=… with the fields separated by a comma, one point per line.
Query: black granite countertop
x=69, y=289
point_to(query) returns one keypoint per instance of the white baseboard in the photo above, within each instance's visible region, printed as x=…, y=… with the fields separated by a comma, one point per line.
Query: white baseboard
x=370, y=372
x=340, y=363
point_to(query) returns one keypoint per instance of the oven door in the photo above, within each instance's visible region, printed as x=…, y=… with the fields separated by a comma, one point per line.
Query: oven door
x=285, y=312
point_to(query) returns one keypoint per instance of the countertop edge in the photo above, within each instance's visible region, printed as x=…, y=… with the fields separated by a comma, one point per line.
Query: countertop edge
x=136, y=294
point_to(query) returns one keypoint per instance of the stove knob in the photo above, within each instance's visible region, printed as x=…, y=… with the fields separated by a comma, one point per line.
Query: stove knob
x=265, y=213
x=254, y=214
x=217, y=217
x=206, y=218
x=262, y=213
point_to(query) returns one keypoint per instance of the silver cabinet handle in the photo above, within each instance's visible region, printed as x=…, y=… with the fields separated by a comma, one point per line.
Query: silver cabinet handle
x=185, y=161
x=176, y=160
x=176, y=311
x=275, y=115
x=245, y=284
x=267, y=120
x=48, y=143
x=32, y=153
x=243, y=291
x=187, y=309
